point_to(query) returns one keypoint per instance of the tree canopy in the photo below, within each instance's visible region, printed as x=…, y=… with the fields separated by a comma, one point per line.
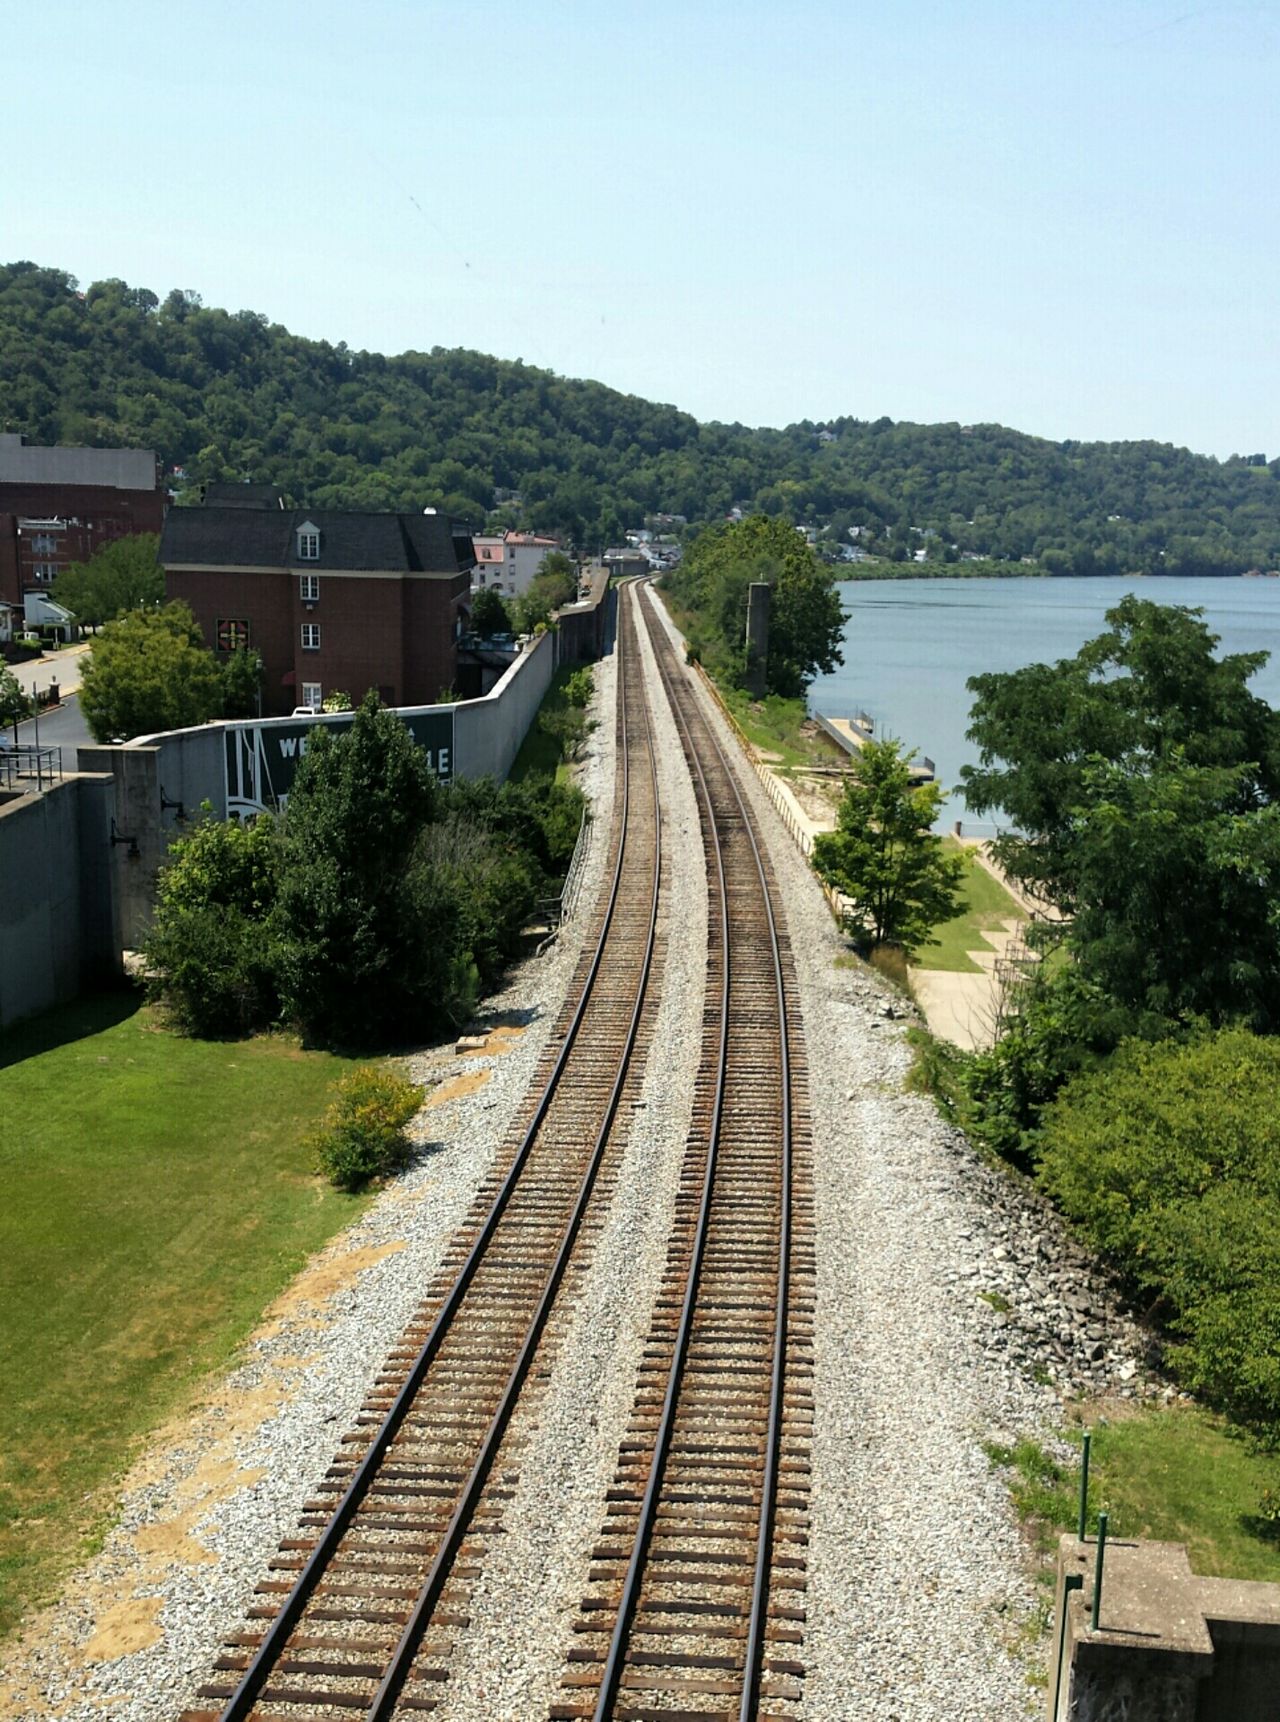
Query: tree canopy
x=1143, y=777
x=227, y=395
x=14, y=703
x=149, y=671
x=883, y=855
x=806, y=619
x=123, y=575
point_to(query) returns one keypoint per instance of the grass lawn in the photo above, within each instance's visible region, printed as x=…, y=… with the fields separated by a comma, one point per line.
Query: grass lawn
x=987, y=905
x=1175, y=1474
x=774, y=728
x=540, y=754
x=156, y=1197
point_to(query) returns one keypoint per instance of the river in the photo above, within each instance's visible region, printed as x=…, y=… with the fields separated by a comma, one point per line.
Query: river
x=910, y=645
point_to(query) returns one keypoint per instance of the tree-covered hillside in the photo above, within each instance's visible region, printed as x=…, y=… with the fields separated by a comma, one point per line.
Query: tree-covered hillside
x=229, y=395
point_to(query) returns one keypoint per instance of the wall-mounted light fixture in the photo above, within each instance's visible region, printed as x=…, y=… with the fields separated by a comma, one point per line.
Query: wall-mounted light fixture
x=166, y=803
x=134, y=853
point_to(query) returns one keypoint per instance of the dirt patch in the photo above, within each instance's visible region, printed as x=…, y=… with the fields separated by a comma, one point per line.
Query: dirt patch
x=169, y=1542
x=214, y=1479
x=457, y=1086
x=497, y=1041
x=125, y=1629
x=316, y=1285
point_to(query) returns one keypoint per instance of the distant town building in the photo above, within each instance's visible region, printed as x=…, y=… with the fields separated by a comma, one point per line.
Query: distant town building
x=61, y=505
x=507, y=565
x=334, y=602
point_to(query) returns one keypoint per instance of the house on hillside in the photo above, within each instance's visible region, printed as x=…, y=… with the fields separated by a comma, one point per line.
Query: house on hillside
x=507, y=565
x=333, y=602
x=62, y=505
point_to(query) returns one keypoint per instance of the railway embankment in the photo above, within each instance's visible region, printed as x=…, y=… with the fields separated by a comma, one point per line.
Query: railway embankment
x=950, y=1312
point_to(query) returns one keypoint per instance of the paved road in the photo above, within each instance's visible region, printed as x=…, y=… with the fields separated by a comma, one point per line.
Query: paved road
x=62, y=727
x=61, y=667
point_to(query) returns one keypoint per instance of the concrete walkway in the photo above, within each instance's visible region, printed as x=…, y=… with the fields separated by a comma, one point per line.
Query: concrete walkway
x=62, y=667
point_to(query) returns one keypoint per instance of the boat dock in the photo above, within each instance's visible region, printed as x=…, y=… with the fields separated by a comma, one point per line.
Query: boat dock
x=853, y=733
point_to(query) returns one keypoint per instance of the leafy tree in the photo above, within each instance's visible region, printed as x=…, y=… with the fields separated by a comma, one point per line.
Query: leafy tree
x=883, y=854
x=124, y=575
x=1142, y=777
x=1169, y=1159
x=210, y=953
x=369, y=949
x=241, y=684
x=149, y=671
x=545, y=594
x=14, y=703
x=806, y=619
x=488, y=613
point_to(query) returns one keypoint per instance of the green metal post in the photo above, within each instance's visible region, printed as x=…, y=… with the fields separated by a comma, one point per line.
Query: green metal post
x=1084, y=1487
x=1097, y=1572
x=1070, y=1582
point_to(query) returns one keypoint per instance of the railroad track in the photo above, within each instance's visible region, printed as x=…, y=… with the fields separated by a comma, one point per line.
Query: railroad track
x=695, y=1601
x=362, y=1609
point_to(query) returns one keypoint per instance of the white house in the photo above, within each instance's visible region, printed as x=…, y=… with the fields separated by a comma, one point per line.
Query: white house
x=507, y=565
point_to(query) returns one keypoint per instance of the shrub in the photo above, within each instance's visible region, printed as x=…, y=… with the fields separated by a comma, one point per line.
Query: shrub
x=210, y=951
x=568, y=727
x=1169, y=1158
x=579, y=686
x=362, y=1136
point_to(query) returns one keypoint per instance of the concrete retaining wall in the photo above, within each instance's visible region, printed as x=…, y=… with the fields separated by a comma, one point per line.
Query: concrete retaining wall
x=1170, y=1646
x=56, y=913
x=487, y=732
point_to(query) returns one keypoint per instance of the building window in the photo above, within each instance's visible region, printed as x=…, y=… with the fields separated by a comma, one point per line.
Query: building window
x=232, y=634
x=310, y=588
x=308, y=542
x=312, y=696
x=311, y=636
x=44, y=544
x=45, y=572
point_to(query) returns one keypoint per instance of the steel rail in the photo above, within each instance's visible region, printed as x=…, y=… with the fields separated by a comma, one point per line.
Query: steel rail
x=398, y=1669
x=615, y=1661
x=241, y=1702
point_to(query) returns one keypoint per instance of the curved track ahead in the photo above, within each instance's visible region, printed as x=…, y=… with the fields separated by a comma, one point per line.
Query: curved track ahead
x=376, y=1584
x=696, y=1601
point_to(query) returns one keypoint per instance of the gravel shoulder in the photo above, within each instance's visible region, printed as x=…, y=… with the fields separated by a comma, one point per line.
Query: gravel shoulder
x=138, y=1627
x=524, y=1605
x=920, y=1584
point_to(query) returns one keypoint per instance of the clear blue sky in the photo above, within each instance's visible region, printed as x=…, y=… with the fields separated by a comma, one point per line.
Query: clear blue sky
x=1057, y=214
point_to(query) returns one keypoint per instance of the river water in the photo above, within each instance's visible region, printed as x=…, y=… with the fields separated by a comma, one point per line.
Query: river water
x=910, y=646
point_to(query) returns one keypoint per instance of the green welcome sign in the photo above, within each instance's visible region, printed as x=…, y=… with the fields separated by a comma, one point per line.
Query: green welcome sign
x=261, y=758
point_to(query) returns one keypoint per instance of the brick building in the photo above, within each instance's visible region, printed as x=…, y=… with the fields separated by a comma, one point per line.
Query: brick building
x=61, y=505
x=333, y=602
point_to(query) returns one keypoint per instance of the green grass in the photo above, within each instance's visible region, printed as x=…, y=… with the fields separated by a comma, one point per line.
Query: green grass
x=773, y=726
x=156, y=1197
x=987, y=905
x=540, y=754
x=1175, y=1475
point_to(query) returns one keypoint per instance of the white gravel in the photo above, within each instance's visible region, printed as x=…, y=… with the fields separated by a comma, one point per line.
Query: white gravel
x=919, y=1583
x=917, y=1572
x=532, y=1581
x=205, y=1510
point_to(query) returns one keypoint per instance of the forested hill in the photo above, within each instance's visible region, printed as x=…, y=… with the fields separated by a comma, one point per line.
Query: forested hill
x=229, y=395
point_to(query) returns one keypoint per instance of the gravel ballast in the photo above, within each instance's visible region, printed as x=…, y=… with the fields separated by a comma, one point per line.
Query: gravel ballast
x=528, y=1594
x=137, y=1629
x=919, y=1581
